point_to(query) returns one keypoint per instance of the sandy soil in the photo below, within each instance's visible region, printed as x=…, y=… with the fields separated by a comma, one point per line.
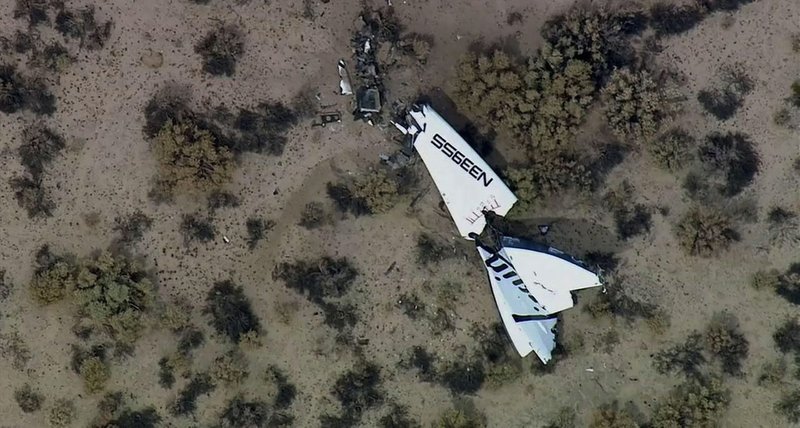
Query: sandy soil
x=108, y=169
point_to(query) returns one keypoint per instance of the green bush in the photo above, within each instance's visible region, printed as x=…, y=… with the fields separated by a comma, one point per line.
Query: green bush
x=565, y=418
x=398, y=417
x=377, y=190
x=672, y=150
x=318, y=279
x=230, y=310
x=189, y=158
x=766, y=279
x=95, y=373
x=772, y=372
x=549, y=175
x=635, y=106
x=698, y=402
x=220, y=49
x=705, y=231
x=61, y=414
x=29, y=401
x=463, y=415
x=794, y=97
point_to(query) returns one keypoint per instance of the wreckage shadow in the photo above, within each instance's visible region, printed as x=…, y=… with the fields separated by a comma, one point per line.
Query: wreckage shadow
x=575, y=236
x=480, y=140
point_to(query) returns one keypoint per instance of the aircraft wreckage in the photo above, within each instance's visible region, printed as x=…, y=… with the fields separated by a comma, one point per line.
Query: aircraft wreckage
x=531, y=282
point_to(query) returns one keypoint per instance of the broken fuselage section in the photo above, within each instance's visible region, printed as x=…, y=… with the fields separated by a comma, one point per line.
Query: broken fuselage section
x=530, y=282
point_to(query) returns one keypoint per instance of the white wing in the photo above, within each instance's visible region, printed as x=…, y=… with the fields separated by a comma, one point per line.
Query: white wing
x=549, y=274
x=467, y=184
x=529, y=328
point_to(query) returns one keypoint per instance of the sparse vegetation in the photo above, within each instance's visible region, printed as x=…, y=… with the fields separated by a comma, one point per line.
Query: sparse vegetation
x=28, y=399
x=313, y=215
x=686, y=358
x=230, y=368
x=186, y=403
x=723, y=101
x=787, y=336
x=730, y=162
x=630, y=218
x=726, y=342
x=616, y=302
x=789, y=406
x=83, y=26
x=19, y=92
x=230, y=311
x=463, y=415
x=257, y=229
x=431, y=250
x=611, y=416
x=670, y=19
x=766, y=279
x=358, y=390
x=220, y=199
x=705, y=231
x=696, y=402
x=398, y=417
x=772, y=373
x=196, y=228
x=784, y=226
x=220, y=49
x=245, y=414
x=132, y=227
x=548, y=175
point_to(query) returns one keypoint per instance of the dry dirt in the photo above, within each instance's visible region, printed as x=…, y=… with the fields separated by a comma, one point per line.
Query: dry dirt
x=109, y=167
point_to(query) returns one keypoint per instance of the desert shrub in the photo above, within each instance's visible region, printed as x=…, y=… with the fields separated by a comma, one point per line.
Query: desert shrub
x=772, y=372
x=564, y=418
x=611, y=416
x=18, y=92
x=733, y=156
x=549, y=175
x=398, y=417
x=672, y=149
x=617, y=303
x=696, y=402
x=670, y=19
x=431, y=250
x=318, y=279
x=784, y=226
x=766, y=279
x=726, y=342
x=789, y=285
x=344, y=200
x=723, y=100
x=257, y=229
x=723, y=5
x=28, y=399
x=462, y=376
x=263, y=128
x=189, y=158
x=230, y=368
x=131, y=228
x=230, y=310
x=40, y=146
x=191, y=338
x=313, y=215
x=196, y=228
x=636, y=105
x=83, y=25
x=52, y=57
x=5, y=286
x=376, y=190
x=115, y=294
x=176, y=315
x=219, y=199
x=95, y=373
x=61, y=414
x=34, y=11
x=787, y=336
x=51, y=282
x=220, y=49
x=166, y=373
x=686, y=358
x=285, y=392
x=340, y=316
x=13, y=347
x=705, y=231
x=789, y=406
x=783, y=118
x=239, y=413
x=186, y=402
x=630, y=218
x=464, y=414
x=31, y=195
x=359, y=389
x=147, y=417
x=424, y=363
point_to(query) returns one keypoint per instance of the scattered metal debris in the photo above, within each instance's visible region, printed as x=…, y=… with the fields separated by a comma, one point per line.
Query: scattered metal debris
x=326, y=118
x=369, y=100
x=345, y=87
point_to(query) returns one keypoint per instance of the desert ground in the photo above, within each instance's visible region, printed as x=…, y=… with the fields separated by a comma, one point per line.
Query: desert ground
x=107, y=168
